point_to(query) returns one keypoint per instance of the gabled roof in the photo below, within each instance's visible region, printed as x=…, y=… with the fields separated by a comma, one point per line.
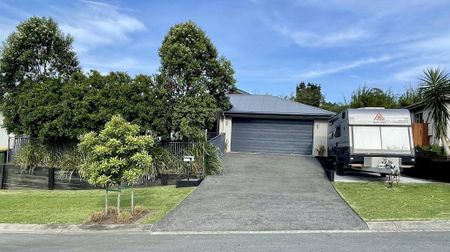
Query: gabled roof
x=271, y=105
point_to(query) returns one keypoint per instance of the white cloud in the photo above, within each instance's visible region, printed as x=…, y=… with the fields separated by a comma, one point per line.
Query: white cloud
x=432, y=44
x=325, y=40
x=345, y=66
x=410, y=74
x=420, y=55
x=96, y=23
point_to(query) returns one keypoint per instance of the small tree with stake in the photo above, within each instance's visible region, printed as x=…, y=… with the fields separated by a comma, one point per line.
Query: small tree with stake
x=116, y=155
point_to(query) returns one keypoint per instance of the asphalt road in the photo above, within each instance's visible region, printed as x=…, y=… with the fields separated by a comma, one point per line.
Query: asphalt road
x=264, y=192
x=363, y=241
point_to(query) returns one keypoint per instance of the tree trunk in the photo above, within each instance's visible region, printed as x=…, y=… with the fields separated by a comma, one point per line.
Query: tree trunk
x=106, y=202
x=118, y=203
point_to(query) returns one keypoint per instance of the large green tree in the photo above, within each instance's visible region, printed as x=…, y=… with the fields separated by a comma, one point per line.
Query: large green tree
x=310, y=94
x=373, y=97
x=57, y=110
x=36, y=63
x=436, y=98
x=191, y=70
x=334, y=106
x=37, y=50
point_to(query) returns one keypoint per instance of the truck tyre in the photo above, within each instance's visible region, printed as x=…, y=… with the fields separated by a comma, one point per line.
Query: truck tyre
x=340, y=170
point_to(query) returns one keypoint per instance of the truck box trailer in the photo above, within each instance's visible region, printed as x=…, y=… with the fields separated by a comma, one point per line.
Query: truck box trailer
x=371, y=140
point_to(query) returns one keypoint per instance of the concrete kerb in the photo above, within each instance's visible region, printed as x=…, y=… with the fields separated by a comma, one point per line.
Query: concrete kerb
x=60, y=228
x=379, y=226
x=409, y=225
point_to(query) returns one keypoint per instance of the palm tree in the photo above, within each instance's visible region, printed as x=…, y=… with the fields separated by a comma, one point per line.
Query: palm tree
x=436, y=98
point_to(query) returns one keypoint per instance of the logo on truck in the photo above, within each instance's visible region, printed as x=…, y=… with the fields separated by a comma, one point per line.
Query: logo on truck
x=379, y=117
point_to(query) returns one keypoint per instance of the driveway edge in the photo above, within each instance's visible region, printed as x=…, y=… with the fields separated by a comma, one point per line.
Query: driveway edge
x=349, y=206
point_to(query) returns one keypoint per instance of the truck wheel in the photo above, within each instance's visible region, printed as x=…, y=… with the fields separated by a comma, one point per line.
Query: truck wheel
x=340, y=170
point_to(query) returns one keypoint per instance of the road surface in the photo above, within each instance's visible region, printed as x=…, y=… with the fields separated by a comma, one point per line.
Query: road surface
x=302, y=241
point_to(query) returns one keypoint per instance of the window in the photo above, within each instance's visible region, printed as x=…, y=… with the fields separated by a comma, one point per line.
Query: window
x=395, y=140
x=366, y=139
x=375, y=139
x=337, y=132
x=343, y=115
x=418, y=117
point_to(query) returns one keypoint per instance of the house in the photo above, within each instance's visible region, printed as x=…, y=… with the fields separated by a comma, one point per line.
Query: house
x=4, y=136
x=423, y=128
x=269, y=124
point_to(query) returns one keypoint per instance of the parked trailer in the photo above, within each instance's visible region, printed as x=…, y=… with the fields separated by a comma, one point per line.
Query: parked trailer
x=371, y=139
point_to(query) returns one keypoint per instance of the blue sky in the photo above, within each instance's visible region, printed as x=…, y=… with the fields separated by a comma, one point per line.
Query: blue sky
x=273, y=45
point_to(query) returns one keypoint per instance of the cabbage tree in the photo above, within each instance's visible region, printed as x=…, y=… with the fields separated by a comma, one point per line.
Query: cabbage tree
x=436, y=98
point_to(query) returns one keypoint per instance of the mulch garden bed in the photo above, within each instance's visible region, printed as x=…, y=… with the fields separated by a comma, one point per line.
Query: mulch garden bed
x=114, y=218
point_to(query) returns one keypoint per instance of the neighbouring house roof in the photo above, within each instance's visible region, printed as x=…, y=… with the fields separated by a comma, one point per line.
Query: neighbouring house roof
x=271, y=105
x=415, y=106
x=240, y=91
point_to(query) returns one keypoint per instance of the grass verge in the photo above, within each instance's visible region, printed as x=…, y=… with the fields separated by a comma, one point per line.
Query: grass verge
x=374, y=201
x=73, y=207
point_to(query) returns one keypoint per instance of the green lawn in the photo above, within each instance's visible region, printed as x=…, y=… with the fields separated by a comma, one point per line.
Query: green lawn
x=373, y=201
x=73, y=207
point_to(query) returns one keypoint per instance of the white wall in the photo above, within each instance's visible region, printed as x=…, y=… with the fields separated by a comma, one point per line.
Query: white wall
x=426, y=112
x=3, y=135
x=320, y=135
x=225, y=125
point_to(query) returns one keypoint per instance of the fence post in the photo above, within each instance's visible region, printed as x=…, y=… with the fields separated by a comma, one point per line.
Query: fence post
x=203, y=152
x=51, y=178
x=3, y=161
x=2, y=175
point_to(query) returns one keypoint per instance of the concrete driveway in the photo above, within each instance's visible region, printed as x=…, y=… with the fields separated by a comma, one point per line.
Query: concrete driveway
x=263, y=192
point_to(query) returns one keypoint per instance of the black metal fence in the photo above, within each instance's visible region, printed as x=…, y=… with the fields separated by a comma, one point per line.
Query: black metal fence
x=13, y=176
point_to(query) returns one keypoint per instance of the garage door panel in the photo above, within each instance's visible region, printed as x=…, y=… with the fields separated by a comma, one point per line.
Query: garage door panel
x=272, y=136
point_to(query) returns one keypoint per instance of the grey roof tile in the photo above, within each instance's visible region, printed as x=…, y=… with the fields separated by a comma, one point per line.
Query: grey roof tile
x=267, y=104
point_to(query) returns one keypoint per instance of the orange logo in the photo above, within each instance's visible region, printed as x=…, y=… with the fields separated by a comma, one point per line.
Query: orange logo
x=379, y=117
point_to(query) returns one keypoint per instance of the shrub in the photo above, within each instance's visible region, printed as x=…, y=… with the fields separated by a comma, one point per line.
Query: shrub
x=124, y=217
x=30, y=156
x=96, y=217
x=164, y=161
x=213, y=159
x=321, y=150
x=139, y=210
x=434, y=150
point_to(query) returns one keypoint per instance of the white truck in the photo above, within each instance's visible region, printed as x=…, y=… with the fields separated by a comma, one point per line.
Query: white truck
x=371, y=139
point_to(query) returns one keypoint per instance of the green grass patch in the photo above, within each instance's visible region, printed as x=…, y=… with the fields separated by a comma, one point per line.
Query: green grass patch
x=73, y=207
x=374, y=201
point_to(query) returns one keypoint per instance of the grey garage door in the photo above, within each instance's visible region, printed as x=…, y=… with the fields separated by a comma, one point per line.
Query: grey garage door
x=272, y=136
